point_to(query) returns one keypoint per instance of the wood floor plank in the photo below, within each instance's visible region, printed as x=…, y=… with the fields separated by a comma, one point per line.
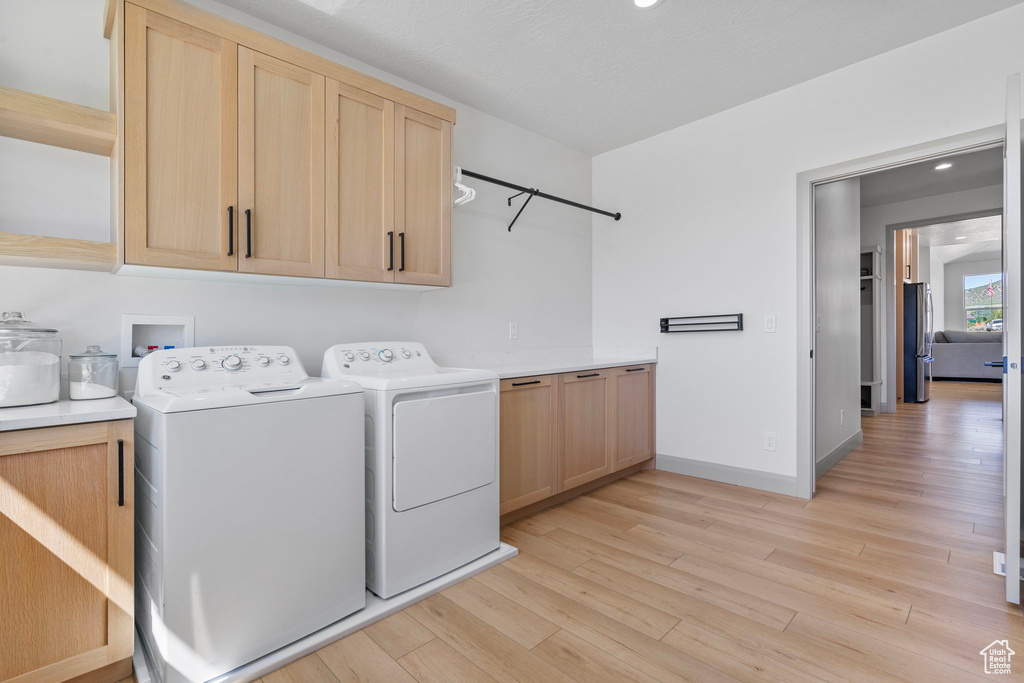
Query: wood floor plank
x=399, y=634
x=483, y=645
x=357, y=659
x=309, y=669
x=437, y=662
x=583, y=661
x=521, y=625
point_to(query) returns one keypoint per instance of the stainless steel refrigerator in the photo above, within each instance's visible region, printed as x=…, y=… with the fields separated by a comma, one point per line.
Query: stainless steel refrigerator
x=918, y=339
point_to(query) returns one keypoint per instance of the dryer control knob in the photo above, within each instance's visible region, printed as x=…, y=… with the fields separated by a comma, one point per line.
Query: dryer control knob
x=364, y=355
x=199, y=364
x=173, y=366
x=348, y=356
x=283, y=360
x=263, y=361
x=406, y=353
x=231, y=363
x=386, y=355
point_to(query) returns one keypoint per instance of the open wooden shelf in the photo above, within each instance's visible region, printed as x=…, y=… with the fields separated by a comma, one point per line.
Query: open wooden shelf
x=52, y=122
x=56, y=252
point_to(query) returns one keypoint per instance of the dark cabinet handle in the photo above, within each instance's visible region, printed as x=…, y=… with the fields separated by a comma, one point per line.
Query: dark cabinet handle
x=120, y=472
x=231, y=231
x=391, y=251
x=635, y=369
x=401, y=237
x=908, y=271
x=593, y=374
x=248, y=233
x=523, y=384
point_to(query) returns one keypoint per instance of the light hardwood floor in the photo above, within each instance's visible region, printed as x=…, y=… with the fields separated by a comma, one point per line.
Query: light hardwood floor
x=886, y=574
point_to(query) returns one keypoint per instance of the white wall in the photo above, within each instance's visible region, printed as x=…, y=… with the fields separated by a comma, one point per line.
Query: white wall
x=538, y=276
x=837, y=296
x=709, y=226
x=956, y=318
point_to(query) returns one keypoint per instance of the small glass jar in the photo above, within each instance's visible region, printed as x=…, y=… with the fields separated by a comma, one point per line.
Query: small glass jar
x=92, y=374
x=29, y=362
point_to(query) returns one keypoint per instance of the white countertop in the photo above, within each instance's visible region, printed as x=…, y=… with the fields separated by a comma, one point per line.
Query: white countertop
x=510, y=364
x=65, y=412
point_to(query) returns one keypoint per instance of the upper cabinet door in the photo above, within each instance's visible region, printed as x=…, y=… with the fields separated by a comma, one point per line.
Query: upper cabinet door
x=360, y=185
x=423, y=198
x=180, y=144
x=280, y=167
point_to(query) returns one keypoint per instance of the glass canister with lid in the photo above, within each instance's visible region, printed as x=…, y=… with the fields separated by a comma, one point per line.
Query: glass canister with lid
x=29, y=362
x=92, y=374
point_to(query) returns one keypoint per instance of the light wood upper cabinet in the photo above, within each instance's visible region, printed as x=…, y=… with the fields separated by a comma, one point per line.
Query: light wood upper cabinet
x=585, y=427
x=633, y=409
x=360, y=184
x=423, y=198
x=529, y=446
x=181, y=139
x=242, y=153
x=66, y=539
x=280, y=167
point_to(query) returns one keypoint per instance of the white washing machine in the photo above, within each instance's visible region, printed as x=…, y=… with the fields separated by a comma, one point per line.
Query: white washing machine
x=431, y=461
x=249, y=506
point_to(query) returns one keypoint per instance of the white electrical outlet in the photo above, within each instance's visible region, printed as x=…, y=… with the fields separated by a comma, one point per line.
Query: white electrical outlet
x=842, y=417
x=769, y=441
x=769, y=323
x=513, y=330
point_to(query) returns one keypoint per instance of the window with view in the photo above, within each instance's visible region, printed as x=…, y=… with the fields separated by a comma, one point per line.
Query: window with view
x=983, y=302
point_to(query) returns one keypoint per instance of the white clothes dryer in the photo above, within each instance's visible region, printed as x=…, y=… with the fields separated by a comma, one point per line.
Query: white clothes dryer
x=431, y=461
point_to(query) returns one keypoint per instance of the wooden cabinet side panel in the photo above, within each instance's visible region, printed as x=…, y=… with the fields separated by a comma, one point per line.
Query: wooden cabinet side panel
x=529, y=415
x=180, y=143
x=359, y=186
x=423, y=188
x=280, y=167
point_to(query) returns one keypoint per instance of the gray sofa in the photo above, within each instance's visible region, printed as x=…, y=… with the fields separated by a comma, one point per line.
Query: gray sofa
x=962, y=355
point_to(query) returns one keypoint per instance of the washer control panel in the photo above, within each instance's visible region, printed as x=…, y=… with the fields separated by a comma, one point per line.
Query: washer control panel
x=213, y=367
x=374, y=356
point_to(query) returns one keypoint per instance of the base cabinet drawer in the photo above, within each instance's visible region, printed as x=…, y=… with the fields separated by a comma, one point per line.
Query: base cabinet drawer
x=66, y=539
x=559, y=432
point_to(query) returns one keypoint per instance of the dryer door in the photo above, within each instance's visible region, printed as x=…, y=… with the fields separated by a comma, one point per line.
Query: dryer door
x=443, y=446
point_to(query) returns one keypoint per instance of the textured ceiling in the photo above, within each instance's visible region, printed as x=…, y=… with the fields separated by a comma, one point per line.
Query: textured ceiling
x=969, y=171
x=980, y=239
x=599, y=74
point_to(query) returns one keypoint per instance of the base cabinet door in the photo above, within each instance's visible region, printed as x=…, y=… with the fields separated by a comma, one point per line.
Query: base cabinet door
x=585, y=448
x=66, y=539
x=529, y=413
x=423, y=198
x=632, y=390
x=280, y=167
x=181, y=138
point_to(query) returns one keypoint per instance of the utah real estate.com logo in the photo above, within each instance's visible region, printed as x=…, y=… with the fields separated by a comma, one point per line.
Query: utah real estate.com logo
x=997, y=657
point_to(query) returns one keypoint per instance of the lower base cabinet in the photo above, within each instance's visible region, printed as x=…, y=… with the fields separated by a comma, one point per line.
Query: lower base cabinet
x=66, y=543
x=562, y=431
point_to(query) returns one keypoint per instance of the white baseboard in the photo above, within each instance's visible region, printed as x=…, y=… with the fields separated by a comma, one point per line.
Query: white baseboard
x=728, y=474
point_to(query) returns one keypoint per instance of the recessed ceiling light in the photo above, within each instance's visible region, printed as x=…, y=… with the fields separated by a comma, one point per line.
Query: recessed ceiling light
x=943, y=166
x=962, y=237
x=646, y=4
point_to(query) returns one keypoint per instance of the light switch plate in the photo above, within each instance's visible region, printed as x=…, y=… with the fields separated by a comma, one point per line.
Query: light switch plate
x=770, y=323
